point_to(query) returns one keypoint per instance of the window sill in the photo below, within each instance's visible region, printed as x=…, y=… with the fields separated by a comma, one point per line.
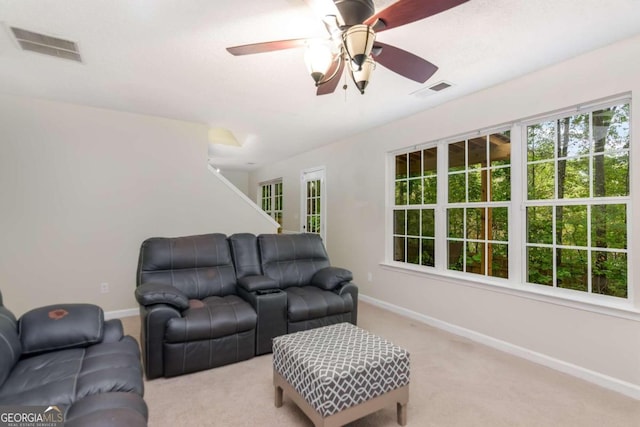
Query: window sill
x=566, y=298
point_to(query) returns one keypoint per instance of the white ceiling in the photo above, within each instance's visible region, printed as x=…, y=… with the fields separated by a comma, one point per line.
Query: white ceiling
x=167, y=58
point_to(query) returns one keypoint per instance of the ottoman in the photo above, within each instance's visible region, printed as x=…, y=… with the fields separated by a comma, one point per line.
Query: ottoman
x=339, y=373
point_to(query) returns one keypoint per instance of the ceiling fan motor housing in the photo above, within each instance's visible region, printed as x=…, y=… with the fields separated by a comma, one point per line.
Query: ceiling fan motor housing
x=355, y=12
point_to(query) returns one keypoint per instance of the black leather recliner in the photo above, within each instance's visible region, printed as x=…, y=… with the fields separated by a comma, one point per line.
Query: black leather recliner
x=191, y=316
x=317, y=293
x=292, y=286
x=68, y=357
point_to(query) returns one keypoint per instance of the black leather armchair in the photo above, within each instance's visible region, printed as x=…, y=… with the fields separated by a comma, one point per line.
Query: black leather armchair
x=289, y=281
x=317, y=293
x=191, y=316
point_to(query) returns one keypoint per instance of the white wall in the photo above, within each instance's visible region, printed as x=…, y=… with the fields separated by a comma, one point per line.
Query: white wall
x=81, y=188
x=238, y=178
x=603, y=345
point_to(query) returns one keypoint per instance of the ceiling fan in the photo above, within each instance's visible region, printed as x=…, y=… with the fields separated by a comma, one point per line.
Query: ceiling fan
x=352, y=27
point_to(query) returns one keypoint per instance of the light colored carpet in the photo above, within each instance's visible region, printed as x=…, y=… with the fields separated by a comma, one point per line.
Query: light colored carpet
x=454, y=382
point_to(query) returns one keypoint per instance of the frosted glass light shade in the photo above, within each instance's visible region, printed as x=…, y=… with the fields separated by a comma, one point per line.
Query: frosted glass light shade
x=318, y=58
x=358, y=41
x=362, y=76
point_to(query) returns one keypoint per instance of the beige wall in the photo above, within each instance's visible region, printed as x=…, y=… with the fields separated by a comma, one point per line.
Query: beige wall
x=81, y=188
x=606, y=344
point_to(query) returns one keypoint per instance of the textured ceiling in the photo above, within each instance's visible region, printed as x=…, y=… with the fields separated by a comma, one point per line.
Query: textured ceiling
x=167, y=58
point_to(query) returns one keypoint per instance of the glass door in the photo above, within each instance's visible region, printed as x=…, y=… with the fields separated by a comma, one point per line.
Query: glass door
x=313, y=206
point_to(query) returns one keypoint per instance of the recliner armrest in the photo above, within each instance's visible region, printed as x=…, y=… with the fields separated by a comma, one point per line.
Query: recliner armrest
x=113, y=330
x=351, y=289
x=156, y=293
x=329, y=278
x=257, y=283
x=60, y=326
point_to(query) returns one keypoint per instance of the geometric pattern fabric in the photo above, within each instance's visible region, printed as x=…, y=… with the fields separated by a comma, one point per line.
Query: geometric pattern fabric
x=339, y=366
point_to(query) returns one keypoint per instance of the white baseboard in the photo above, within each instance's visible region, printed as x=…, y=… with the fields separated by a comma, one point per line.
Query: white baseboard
x=117, y=314
x=611, y=383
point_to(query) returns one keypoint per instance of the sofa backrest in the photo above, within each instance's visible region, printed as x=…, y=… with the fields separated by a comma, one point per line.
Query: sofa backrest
x=200, y=266
x=292, y=259
x=10, y=347
x=244, y=251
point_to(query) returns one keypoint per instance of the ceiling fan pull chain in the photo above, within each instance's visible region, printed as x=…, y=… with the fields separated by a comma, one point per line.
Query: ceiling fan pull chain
x=344, y=86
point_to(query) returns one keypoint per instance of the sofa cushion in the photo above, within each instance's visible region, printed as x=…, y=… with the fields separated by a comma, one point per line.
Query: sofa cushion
x=293, y=259
x=10, y=346
x=310, y=302
x=219, y=317
x=199, y=266
x=65, y=376
x=61, y=326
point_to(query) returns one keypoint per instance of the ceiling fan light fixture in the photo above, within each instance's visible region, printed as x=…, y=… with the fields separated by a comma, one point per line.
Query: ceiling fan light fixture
x=318, y=58
x=358, y=42
x=362, y=76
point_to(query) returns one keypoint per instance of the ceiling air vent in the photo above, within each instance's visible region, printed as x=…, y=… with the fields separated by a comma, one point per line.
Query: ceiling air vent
x=437, y=87
x=47, y=45
x=440, y=86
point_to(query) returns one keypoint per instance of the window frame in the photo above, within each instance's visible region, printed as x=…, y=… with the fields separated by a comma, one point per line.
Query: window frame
x=516, y=284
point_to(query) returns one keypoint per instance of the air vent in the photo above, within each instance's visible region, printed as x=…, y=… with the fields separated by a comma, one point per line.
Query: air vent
x=427, y=91
x=46, y=45
x=440, y=86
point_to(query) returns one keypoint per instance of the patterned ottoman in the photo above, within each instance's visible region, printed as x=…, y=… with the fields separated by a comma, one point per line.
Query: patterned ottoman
x=339, y=373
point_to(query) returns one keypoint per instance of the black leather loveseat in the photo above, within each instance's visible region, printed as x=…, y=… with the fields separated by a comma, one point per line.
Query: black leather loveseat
x=210, y=300
x=77, y=366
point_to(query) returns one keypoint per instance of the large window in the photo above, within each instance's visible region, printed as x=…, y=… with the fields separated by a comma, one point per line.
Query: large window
x=577, y=201
x=553, y=214
x=271, y=200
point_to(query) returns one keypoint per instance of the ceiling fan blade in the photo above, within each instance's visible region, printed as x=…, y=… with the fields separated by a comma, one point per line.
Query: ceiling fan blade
x=330, y=86
x=404, y=63
x=406, y=11
x=249, y=49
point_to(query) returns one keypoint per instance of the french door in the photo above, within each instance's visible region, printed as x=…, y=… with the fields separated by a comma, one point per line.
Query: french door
x=313, y=212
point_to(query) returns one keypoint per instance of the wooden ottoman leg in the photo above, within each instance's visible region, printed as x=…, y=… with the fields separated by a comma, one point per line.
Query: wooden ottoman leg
x=402, y=414
x=402, y=401
x=278, y=396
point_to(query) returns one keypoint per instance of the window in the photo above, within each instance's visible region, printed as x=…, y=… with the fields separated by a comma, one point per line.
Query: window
x=271, y=200
x=454, y=205
x=577, y=201
x=479, y=192
x=414, y=213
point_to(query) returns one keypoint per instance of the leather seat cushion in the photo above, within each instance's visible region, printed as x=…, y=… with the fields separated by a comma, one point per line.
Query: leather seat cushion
x=65, y=376
x=113, y=409
x=310, y=302
x=218, y=317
